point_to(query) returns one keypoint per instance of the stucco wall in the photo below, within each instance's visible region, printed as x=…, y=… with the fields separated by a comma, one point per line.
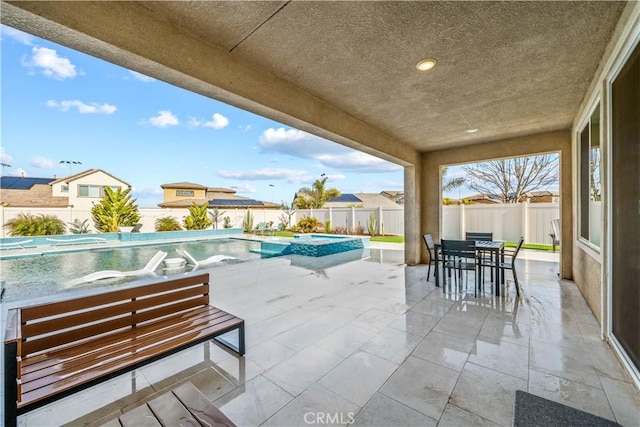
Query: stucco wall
x=99, y=178
x=587, y=274
x=556, y=141
x=170, y=194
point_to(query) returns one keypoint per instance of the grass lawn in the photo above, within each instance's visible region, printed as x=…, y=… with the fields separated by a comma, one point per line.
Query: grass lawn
x=536, y=246
x=388, y=239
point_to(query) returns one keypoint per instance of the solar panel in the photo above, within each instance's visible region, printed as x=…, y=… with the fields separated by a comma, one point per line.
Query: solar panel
x=235, y=202
x=349, y=198
x=20, y=183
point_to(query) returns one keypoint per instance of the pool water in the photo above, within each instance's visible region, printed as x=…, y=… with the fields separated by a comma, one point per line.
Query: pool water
x=31, y=277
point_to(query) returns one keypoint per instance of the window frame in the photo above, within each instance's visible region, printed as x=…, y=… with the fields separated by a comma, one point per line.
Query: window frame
x=587, y=132
x=189, y=193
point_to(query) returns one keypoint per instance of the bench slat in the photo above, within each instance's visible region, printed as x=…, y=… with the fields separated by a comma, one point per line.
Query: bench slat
x=170, y=412
x=100, y=371
x=139, y=417
x=56, y=308
x=127, y=306
x=205, y=412
x=55, y=363
x=50, y=341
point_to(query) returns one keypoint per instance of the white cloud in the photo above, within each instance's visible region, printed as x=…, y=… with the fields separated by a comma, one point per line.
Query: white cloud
x=17, y=35
x=146, y=192
x=141, y=77
x=163, y=119
x=245, y=128
x=245, y=188
x=4, y=157
x=42, y=162
x=218, y=121
x=50, y=64
x=289, y=175
x=93, y=108
x=17, y=172
x=303, y=145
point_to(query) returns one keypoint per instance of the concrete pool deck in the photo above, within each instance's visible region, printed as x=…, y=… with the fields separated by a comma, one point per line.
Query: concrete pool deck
x=374, y=341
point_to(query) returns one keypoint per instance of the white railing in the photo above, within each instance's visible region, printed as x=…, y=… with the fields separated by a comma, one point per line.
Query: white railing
x=506, y=221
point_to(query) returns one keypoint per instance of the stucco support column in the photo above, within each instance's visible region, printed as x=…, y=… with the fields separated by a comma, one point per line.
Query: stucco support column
x=412, y=214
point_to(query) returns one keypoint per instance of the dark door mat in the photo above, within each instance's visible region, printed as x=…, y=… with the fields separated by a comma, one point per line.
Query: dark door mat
x=535, y=411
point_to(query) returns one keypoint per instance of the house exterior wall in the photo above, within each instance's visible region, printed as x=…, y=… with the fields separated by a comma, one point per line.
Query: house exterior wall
x=171, y=194
x=592, y=264
x=98, y=178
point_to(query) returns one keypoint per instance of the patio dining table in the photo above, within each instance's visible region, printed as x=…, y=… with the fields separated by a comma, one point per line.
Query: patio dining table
x=494, y=247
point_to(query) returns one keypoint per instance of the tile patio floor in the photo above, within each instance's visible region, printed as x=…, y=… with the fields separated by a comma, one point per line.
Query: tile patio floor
x=374, y=343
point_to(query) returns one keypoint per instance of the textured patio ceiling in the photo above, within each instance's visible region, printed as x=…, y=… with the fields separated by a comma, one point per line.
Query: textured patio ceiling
x=505, y=68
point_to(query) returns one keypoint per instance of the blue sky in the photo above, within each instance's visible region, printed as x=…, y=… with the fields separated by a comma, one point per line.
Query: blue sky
x=60, y=104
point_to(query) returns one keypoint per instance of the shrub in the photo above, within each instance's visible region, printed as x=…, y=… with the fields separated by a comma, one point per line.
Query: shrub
x=327, y=226
x=77, y=227
x=197, y=218
x=216, y=215
x=226, y=222
x=341, y=230
x=247, y=222
x=167, y=223
x=307, y=225
x=359, y=229
x=372, y=225
x=35, y=225
x=115, y=210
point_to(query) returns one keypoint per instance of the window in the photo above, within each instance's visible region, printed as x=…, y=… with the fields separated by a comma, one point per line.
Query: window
x=590, y=186
x=93, y=190
x=184, y=193
x=64, y=188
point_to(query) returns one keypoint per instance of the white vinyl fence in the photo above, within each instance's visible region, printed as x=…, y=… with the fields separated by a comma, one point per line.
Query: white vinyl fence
x=389, y=220
x=506, y=221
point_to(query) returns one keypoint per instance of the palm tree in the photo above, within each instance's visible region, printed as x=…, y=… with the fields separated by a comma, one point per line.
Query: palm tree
x=316, y=196
x=450, y=184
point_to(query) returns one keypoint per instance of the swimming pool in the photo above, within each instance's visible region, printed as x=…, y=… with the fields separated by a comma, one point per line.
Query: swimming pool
x=32, y=277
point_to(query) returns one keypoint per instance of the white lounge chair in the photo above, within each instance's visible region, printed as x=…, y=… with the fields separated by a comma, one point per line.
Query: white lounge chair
x=192, y=261
x=151, y=266
x=15, y=245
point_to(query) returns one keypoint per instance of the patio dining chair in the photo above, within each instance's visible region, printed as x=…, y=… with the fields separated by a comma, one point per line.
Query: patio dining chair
x=431, y=249
x=503, y=265
x=458, y=255
x=481, y=237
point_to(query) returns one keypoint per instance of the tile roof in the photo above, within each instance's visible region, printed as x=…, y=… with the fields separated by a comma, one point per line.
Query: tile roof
x=184, y=184
x=68, y=179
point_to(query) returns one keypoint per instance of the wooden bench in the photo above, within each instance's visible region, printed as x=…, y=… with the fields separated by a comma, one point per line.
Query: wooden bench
x=183, y=406
x=55, y=349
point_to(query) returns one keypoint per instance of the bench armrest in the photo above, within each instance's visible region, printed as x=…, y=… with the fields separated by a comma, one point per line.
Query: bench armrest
x=12, y=333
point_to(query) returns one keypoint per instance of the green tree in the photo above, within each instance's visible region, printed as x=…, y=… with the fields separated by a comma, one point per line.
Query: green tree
x=197, y=218
x=167, y=223
x=35, y=225
x=116, y=209
x=316, y=196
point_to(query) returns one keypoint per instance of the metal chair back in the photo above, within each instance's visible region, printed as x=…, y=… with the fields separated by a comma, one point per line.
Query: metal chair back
x=472, y=235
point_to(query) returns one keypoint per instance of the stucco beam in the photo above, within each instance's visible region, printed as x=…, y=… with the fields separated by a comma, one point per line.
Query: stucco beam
x=127, y=34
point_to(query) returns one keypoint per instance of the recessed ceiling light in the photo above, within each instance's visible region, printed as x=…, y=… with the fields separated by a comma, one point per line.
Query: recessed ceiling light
x=474, y=130
x=426, y=64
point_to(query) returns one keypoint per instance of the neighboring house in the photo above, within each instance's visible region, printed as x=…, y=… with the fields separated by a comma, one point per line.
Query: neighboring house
x=184, y=194
x=541, y=197
x=28, y=192
x=483, y=199
x=78, y=191
x=359, y=200
x=83, y=189
x=396, y=196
